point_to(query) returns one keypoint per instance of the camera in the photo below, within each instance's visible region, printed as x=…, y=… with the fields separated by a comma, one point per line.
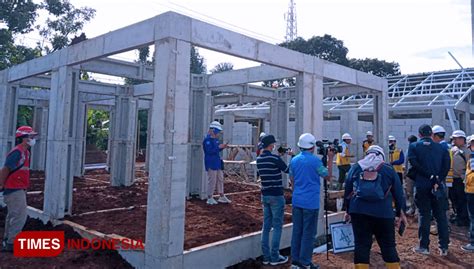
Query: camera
x=325, y=146
x=283, y=150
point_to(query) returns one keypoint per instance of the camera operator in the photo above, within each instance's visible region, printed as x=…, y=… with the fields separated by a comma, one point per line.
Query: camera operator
x=397, y=158
x=343, y=159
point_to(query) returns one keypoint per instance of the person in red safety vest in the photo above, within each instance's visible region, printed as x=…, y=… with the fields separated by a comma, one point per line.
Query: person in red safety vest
x=14, y=180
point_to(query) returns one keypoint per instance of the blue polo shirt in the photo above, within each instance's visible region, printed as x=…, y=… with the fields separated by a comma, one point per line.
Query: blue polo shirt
x=306, y=168
x=212, y=159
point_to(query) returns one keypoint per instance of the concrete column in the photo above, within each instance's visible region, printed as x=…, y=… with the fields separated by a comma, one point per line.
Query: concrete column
x=228, y=127
x=60, y=143
x=349, y=124
x=148, y=135
x=40, y=125
x=309, y=118
x=200, y=117
x=80, y=138
x=170, y=154
x=279, y=118
x=381, y=117
x=8, y=115
x=123, y=139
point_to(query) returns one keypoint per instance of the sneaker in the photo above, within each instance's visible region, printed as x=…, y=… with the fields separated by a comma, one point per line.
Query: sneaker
x=468, y=247
x=265, y=262
x=224, y=200
x=281, y=260
x=443, y=252
x=295, y=265
x=420, y=250
x=211, y=201
x=434, y=229
x=310, y=266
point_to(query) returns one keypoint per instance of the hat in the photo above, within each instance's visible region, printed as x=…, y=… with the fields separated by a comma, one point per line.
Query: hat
x=267, y=140
x=459, y=133
x=369, y=133
x=215, y=125
x=425, y=130
x=25, y=131
x=391, y=138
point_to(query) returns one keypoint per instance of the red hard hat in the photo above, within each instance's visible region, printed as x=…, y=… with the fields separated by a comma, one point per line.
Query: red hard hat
x=25, y=131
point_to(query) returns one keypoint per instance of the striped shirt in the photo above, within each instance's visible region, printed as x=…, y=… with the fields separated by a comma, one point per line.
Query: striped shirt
x=270, y=168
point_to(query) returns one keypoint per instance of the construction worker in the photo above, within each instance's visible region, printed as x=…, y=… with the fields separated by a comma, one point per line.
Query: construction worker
x=439, y=134
x=305, y=172
x=368, y=142
x=431, y=163
x=14, y=180
x=460, y=156
x=343, y=159
x=370, y=188
x=410, y=181
x=270, y=166
x=214, y=164
x=397, y=158
x=470, y=194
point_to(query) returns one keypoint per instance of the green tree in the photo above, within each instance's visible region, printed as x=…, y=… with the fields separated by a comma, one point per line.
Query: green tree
x=376, y=67
x=25, y=116
x=97, y=133
x=222, y=67
x=197, y=62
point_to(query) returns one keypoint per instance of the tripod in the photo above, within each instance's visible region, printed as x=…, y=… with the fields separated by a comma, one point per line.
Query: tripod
x=326, y=200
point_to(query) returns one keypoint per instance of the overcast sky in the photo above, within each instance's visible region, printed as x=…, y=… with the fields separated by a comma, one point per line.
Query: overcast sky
x=415, y=33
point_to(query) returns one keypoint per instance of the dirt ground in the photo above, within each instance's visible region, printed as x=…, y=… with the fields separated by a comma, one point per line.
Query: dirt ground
x=68, y=259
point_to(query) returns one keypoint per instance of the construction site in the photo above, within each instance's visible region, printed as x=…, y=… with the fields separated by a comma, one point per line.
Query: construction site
x=156, y=194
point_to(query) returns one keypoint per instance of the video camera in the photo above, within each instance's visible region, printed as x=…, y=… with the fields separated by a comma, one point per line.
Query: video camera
x=325, y=146
x=283, y=150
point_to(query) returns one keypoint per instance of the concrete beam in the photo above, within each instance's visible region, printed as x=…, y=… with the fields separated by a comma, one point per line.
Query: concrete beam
x=118, y=68
x=236, y=99
x=248, y=75
x=170, y=153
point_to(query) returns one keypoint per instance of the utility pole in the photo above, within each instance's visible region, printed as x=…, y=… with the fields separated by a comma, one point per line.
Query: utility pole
x=290, y=17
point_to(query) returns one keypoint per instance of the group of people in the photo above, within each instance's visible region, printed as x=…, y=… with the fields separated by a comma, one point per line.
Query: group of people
x=375, y=199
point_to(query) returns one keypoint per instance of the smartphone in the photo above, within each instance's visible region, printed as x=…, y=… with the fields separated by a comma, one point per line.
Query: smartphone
x=401, y=229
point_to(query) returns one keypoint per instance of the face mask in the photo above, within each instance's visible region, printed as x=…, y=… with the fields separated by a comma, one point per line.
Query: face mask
x=31, y=142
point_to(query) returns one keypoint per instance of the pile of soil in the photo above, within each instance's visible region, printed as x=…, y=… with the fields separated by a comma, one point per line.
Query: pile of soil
x=68, y=258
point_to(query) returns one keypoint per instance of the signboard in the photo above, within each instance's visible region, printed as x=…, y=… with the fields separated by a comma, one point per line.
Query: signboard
x=342, y=237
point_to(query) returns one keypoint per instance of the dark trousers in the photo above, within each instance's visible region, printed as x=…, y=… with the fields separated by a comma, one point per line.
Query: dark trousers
x=365, y=227
x=458, y=199
x=470, y=203
x=343, y=169
x=429, y=206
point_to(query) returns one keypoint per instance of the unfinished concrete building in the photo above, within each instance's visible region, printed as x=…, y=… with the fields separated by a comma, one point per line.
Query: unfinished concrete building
x=442, y=98
x=181, y=107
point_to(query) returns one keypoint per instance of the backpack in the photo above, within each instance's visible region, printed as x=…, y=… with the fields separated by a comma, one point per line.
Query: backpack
x=369, y=186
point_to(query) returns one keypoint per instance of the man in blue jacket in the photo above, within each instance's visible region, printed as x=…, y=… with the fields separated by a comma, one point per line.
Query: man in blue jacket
x=431, y=162
x=214, y=164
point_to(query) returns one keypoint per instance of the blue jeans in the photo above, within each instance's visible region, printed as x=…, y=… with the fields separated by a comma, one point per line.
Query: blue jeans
x=273, y=211
x=305, y=224
x=428, y=206
x=470, y=209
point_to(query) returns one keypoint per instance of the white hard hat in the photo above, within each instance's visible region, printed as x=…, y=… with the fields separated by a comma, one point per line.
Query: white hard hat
x=459, y=133
x=346, y=136
x=438, y=129
x=391, y=138
x=307, y=141
x=215, y=125
x=369, y=133
x=470, y=138
x=375, y=149
x=262, y=134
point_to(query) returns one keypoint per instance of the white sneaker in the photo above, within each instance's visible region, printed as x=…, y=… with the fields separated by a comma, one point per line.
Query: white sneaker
x=211, y=201
x=224, y=200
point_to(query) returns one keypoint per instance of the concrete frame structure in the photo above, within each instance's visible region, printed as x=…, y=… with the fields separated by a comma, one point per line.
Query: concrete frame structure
x=177, y=101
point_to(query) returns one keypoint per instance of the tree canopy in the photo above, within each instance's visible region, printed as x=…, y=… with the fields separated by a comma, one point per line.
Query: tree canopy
x=222, y=67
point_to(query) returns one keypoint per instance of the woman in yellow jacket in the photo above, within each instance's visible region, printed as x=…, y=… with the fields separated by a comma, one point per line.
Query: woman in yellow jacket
x=469, y=188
